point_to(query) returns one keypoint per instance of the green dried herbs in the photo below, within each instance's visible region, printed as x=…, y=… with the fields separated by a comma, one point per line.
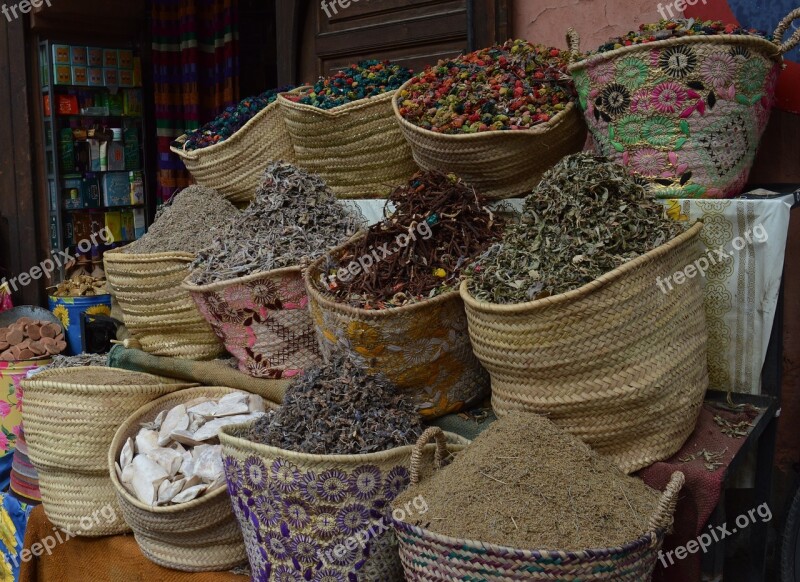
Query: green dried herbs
x=585, y=218
x=294, y=217
x=339, y=409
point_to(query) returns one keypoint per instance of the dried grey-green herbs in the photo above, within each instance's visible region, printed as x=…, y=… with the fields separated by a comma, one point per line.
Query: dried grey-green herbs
x=585, y=218
x=294, y=217
x=60, y=362
x=340, y=409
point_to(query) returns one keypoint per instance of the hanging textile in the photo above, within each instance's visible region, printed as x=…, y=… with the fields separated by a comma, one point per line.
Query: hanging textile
x=195, y=74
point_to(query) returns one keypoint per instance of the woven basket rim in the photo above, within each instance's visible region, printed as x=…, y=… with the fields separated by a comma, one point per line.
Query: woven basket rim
x=691, y=234
x=187, y=285
x=116, y=446
x=359, y=312
x=244, y=444
x=535, y=131
x=41, y=380
x=769, y=47
x=197, y=154
x=118, y=256
x=645, y=540
x=340, y=109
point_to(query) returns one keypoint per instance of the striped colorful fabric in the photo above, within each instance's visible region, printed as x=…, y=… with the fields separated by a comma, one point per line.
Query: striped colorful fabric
x=195, y=74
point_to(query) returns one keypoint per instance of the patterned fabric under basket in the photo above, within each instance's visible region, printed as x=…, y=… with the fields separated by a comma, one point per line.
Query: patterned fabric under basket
x=684, y=115
x=160, y=315
x=620, y=362
x=423, y=348
x=198, y=536
x=69, y=425
x=263, y=320
x=499, y=164
x=430, y=557
x=235, y=167
x=301, y=514
x=357, y=148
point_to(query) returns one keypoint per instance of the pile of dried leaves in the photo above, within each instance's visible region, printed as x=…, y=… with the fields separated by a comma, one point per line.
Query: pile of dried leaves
x=585, y=218
x=340, y=409
x=294, y=217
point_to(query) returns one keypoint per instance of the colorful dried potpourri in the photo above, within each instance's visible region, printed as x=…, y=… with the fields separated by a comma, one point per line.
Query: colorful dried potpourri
x=678, y=28
x=585, y=218
x=438, y=225
x=294, y=217
x=513, y=86
x=362, y=81
x=340, y=409
x=231, y=120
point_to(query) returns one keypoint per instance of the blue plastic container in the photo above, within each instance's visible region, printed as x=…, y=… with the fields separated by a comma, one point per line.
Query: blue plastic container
x=69, y=310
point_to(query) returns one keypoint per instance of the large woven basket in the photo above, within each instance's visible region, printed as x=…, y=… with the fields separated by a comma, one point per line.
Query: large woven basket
x=156, y=310
x=201, y=535
x=499, y=164
x=296, y=509
x=430, y=557
x=263, y=320
x=424, y=348
x=357, y=148
x=69, y=425
x=618, y=363
x=685, y=114
x=235, y=167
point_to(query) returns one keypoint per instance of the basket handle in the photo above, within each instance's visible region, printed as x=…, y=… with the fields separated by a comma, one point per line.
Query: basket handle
x=785, y=47
x=433, y=433
x=662, y=517
x=574, y=44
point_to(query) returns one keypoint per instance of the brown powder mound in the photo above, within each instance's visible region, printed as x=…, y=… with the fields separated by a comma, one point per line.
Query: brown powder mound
x=525, y=483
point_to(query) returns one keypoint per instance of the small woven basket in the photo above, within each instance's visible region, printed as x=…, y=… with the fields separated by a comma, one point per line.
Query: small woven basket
x=235, y=167
x=684, y=114
x=263, y=320
x=619, y=363
x=160, y=315
x=430, y=557
x=69, y=425
x=296, y=509
x=499, y=164
x=424, y=348
x=357, y=148
x=199, y=536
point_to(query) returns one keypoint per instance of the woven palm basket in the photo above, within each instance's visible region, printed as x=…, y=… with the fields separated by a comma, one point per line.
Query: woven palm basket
x=430, y=557
x=618, y=363
x=423, y=348
x=201, y=535
x=69, y=425
x=684, y=114
x=295, y=509
x=160, y=315
x=235, y=167
x=357, y=148
x=263, y=320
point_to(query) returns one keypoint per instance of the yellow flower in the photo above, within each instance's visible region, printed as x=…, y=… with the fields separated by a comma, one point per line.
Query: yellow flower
x=674, y=211
x=99, y=310
x=63, y=315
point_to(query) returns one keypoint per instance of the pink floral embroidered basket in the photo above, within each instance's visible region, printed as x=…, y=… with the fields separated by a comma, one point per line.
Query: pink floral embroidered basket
x=684, y=115
x=263, y=320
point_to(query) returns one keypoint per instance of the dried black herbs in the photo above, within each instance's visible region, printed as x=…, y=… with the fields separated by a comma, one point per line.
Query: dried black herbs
x=339, y=409
x=439, y=224
x=585, y=218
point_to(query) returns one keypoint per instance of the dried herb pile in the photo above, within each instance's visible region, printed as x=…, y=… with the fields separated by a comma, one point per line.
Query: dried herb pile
x=525, y=483
x=187, y=224
x=438, y=225
x=361, y=81
x=294, y=216
x=585, y=218
x=340, y=409
x=60, y=362
x=512, y=86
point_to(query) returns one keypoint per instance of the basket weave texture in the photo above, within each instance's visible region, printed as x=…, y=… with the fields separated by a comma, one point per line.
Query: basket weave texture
x=619, y=363
x=69, y=426
x=201, y=535
x=357, y=148
x=160, y=315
